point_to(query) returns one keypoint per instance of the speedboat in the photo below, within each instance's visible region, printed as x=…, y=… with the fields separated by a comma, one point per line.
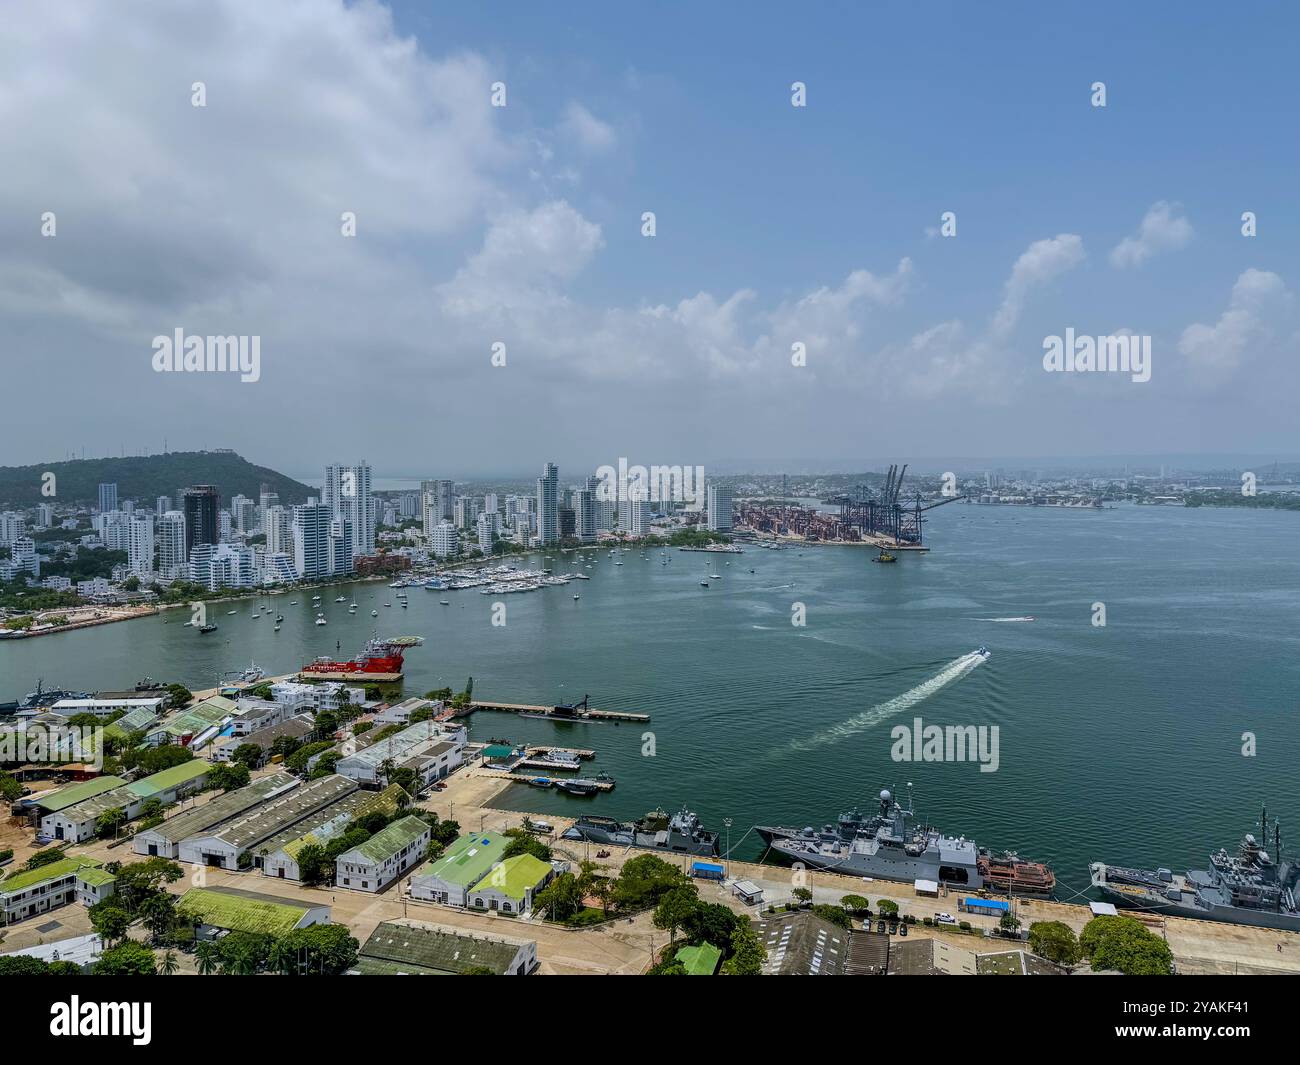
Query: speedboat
x=374, y=613
x=321, y=621
x=704, y=584
x=983, y=651
x=341, y=599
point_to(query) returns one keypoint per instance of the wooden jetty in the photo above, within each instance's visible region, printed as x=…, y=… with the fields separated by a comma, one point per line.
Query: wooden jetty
x=549, y=713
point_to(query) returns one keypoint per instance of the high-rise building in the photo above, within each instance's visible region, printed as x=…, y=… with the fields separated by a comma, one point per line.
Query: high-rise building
x=311, y=540
x=438, y=501
x=161, y=506
x=113, y=530
x=278, y=527
x=170, y=533
x=585, y=520
x=12, y=526
x=638, y=523
x=342, y=539
x=548, y=518
x=44, y=515
x=107, y=498
x=568, y=519
x=266, y=498
x=445, y=540
x=140, y=543
x=202, y=526
x=486, y=528
x=243, y=512
x=23, y=558
x=347, y=494
x=466, y=512
x=223, y=566
x=718, y=503
x=490, y=503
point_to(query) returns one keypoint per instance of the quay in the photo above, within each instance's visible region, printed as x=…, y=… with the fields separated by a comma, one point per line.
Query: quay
x=520, y=778
x=369, y=678
x=549, y=712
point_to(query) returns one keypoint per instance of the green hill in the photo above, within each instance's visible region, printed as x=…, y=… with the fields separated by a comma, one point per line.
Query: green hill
x=145, y=478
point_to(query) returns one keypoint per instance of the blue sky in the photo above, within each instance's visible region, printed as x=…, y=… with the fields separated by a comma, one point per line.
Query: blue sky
x=522, y=224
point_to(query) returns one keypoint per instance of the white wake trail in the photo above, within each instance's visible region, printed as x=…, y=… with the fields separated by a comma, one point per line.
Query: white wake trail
x=954, y=670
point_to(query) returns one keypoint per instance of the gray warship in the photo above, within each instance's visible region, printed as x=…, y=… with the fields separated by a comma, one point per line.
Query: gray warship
x=1250, y=887
x=681, y=833
x=891, y=845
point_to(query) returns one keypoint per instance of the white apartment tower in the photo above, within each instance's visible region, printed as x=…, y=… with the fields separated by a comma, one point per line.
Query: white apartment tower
x=718, y=503
x=548, y=517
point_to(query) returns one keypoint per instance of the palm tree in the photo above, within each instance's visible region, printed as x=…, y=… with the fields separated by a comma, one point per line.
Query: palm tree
x=208, y=959
x=169, y=964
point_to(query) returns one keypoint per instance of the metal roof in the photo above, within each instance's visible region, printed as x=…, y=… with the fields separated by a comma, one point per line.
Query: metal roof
x=466, y=861
x=432, y=949
x=75, y=793
x=224, y=807
x=396, y=837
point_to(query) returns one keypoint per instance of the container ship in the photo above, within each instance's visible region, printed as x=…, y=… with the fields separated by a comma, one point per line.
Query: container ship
x=381, y=660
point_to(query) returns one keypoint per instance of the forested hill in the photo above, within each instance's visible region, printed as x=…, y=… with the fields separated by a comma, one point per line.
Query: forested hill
x=144, y=478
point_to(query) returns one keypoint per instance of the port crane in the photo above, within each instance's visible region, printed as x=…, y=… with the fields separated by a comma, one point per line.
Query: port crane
x=887, y=514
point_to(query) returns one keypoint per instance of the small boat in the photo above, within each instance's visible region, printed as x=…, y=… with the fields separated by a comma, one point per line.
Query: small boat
x=884, y=556
x=540, y=782
x=443, y=602
x=229, y=612
x=321, y=621
x=403, y=606
x=374, y=613
x=751, y=570
x=279, y=618
x=704, y=584
x=277, y=628
x=210, y=627
x=715, y=576
x=577, y=597
x=293, y=602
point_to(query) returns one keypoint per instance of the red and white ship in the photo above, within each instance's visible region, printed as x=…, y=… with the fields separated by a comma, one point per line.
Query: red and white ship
x=381, y=660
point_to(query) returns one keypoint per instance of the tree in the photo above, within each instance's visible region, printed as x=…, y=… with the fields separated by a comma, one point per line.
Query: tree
x=107, y=823
x=837, y=915
x=22, y=965
x=313, y=866
x=675, y=909
x=208, y=958
x=645, y=880
x=887, y=907
x=561, y=898
x=668, y=965
x=711, y=922
x=10, y=789
x=319, y=949
x=140, y=881
x=1124, y=944
x=855, y=904
x=248, y=755
x=747, y=953
x=109, y=920
x=158, y=912
x=1055, y=941
x=169, y=964
x=127, y=959
x=228, y=777
x=43, y=858
x=1009, y=922
x=802, y=894
x=522, y=842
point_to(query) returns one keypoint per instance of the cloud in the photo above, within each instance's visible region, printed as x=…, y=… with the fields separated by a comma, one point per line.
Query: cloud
x=1213, y=351
x=586, y=130
x=1163, y=228
x=1041, y=262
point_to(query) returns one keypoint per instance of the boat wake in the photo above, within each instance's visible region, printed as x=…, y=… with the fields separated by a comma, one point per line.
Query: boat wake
x=953, y=671
x=1005, y=619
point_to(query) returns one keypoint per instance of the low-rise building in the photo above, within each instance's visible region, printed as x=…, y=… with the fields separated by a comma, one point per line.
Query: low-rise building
x=196, y=726
x=510, y=886
x=164, y=840
x=296, y=728
x=32, y=892
x=429, y=748
x=414, y=948
x=279, y=855
x=224, y=909
x=78, y=823
x=400, y=713
x=384, y=856
x=449, y=877
x=105, y=707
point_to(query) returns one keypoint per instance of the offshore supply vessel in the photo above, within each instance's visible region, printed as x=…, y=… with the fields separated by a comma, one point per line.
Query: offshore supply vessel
x=681, y=833
x=890, y=844
x=1248, y=887
x=379, y=660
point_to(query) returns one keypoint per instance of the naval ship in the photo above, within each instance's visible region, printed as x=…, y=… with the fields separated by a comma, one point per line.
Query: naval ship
x=681, y=833
x=1249, y=887
x=891, y=845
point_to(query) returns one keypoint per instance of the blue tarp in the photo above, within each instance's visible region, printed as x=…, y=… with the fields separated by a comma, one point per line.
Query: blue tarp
x=985, y=905
x=707, y=870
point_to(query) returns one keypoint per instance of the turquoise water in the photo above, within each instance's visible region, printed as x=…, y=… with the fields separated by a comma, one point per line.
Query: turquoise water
x=1120, y=743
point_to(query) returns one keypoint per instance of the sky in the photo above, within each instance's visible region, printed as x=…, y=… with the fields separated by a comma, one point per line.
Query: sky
x=799, y=297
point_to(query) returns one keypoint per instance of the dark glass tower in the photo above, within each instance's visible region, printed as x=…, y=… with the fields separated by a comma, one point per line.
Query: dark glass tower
x=201, y=504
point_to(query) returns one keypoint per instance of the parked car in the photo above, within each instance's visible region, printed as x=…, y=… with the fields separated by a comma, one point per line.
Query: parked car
x=902, y=929
x=944, y=918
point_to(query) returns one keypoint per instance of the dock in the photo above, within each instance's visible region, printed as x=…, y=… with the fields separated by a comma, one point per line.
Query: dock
x=369, y=678
x=519, y=778
x=549, y=712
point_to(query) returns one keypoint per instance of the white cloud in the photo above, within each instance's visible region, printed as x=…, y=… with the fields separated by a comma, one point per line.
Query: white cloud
x=1216, y=350
x=586, y=130
x=1043, y=261
x=1163, y=228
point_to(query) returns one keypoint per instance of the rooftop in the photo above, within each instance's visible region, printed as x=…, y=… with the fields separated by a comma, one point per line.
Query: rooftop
x=61, y=799
x=396, y=837
x=516, y=876
x=803, y=944
x=148, y=787
x=283, y=811
x=701, y=960
x=224, y=807
x=54, y=871
x=432, y=950
x=399, y=746
x=466, y=861
x=242, y=911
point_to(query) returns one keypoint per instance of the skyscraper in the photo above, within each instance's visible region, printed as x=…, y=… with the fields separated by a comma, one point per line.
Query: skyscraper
x=107, y=498
x=548, y=518
x=139, y=545
x=202, y=502
x=170, y=533
x=347, y=494
x=586, y=516
x=719, y=507
x=311, y=540
x=278, y=529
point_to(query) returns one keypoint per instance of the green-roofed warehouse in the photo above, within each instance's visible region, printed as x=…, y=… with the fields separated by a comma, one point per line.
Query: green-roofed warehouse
x=223, y=909
x=511, y=885
x=412, y=948
x=384, y=856
x=448, y=878
x=700, y=960
x=62, y=798
x=79, y=822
